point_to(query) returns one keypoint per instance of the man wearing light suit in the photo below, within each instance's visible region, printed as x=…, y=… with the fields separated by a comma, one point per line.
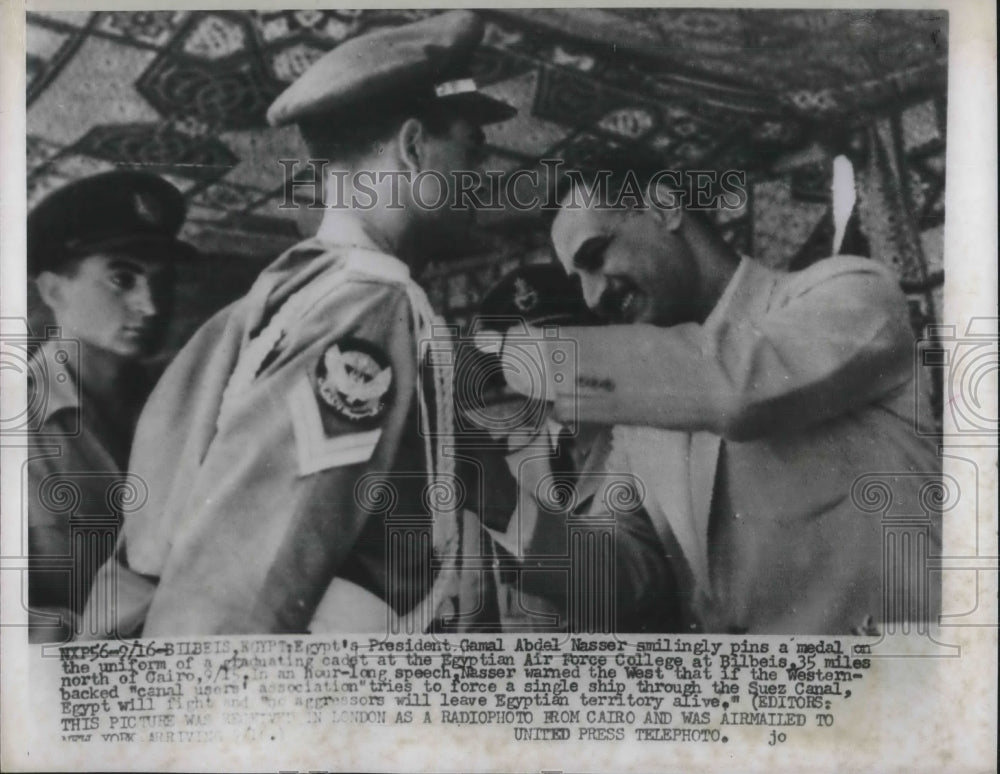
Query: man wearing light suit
x=750, y=402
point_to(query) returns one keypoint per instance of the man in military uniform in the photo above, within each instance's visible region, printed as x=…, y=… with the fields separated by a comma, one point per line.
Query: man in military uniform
x=102, y=251
x=749, y=401
x=301, y=423
x=553, y=473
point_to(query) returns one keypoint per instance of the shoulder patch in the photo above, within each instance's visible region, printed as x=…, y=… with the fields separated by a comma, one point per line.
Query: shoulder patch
x=354, y=380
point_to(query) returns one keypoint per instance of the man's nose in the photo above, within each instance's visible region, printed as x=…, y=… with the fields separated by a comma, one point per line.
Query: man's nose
x=143, y=299
x=593, y=288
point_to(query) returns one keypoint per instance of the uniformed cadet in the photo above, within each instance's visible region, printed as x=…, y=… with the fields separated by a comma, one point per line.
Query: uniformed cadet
x=301, y=423
x=751, y=403
x=556, y=469
x=102, y=251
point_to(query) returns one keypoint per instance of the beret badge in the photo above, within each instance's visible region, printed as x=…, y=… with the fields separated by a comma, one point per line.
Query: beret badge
x=147, y=209
x=525, y=296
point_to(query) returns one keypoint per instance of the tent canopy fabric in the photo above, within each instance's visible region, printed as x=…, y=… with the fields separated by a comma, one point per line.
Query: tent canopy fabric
x=774, y=94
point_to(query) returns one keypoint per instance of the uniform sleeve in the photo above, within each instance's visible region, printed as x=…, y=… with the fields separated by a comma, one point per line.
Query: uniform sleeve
x=272, y=509
x=48, y=535
x=52, y=466
x=834, y=344
x=42, y=463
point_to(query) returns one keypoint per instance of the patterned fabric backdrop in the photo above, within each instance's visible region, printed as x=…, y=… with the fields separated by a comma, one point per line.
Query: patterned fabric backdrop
x=772, y=92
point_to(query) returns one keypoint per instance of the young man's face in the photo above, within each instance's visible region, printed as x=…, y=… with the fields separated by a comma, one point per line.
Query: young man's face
x=633, y=271
x=116, y=302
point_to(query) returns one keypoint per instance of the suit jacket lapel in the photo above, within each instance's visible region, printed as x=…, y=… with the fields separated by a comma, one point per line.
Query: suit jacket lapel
x=590, y=477
x=746, y=297
x=704, y=459
x=660, y=459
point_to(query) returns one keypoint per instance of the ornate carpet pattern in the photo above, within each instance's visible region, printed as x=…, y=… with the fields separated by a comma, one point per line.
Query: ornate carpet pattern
x=774, y=93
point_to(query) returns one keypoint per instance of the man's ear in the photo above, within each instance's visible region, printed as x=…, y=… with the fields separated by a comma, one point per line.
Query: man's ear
x=665, y=205
x=51, y=289
x=410, y=139
x=672, y=218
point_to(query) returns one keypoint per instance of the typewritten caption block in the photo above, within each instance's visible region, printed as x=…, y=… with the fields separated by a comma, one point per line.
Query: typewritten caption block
x=540, y=688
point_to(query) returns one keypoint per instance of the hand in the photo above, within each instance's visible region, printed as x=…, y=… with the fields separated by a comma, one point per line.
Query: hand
x=488, y=341
x=521, y=357
x=527, y=364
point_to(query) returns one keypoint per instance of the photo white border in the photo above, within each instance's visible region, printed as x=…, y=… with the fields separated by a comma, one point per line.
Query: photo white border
x=952, y=729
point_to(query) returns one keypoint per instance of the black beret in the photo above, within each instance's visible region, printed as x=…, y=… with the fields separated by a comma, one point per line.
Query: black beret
x=538, y=294
x=105, y=212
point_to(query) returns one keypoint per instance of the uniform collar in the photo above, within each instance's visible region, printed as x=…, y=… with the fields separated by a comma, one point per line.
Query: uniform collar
x=343, y=229
x=58, y=380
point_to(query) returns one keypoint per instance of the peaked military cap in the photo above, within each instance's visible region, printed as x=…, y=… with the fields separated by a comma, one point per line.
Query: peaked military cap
x=425, y=61
x=109, y=211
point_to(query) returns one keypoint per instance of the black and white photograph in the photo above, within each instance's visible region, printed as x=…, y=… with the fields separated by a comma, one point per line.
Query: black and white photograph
x=575, y=376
